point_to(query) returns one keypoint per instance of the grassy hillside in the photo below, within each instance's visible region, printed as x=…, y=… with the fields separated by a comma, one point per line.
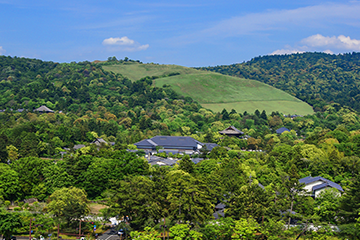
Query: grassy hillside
x=134, y=71
x=216, y=91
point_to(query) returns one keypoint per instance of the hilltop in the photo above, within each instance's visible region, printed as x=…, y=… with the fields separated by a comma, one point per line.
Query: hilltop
x=213, y=90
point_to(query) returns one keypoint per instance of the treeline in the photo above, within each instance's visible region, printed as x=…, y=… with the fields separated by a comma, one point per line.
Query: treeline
x=317, y=78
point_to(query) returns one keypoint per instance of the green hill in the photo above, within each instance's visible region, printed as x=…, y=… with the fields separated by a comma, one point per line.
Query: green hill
x=216, y=91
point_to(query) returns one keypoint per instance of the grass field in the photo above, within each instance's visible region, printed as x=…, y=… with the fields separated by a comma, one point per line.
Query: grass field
x=136, y=71
x=216, y=91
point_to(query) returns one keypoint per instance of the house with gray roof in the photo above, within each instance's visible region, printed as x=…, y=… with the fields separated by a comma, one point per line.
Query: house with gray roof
x=315, y=185
x=282, y=129
x=178, y=144
x=231, y=132
x=99, y=141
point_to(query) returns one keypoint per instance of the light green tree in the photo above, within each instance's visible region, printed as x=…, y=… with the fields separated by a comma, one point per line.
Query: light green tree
x=183, y=232
x=245, y=229
x=148, y=234
x=68, y=204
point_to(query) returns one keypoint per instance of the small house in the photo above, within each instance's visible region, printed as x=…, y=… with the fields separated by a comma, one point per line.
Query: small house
x=232, y=132
x=315, y=185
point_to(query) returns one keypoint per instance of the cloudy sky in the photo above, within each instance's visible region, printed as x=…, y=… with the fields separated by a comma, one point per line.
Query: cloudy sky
x=188, y=33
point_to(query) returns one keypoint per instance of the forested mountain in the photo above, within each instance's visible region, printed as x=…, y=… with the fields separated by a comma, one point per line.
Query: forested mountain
x=256, y=176
x=76, y=87
x=317, y=78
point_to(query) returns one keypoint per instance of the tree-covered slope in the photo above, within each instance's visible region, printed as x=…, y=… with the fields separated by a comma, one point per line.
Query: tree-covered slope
x=215, y=91
x=316, y=78
x=29, y=83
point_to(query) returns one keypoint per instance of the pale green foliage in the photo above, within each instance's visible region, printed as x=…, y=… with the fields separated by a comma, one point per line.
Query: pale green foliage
x=131, y=147
x=183, y=232
x=311, y=152
x=69, y=203
x=12, y=152
x=245, y=229
x=148, y=234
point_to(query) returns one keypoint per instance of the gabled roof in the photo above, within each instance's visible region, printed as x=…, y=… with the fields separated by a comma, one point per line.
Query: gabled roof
x=43, y=109
x=326, y=183
x=98, y=141
x=169, y=141
x=231, y=131
x=146, y=142
x=282, y=129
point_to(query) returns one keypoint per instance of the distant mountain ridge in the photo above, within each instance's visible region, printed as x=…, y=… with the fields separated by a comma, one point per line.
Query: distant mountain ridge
x=317, y=78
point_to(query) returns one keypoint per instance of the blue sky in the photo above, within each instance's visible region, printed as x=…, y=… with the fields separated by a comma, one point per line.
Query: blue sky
x=188, y=33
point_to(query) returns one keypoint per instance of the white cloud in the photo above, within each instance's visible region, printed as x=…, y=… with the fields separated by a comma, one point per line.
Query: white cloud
x=286, y=51
x=124, y=44
x=118, y=41
x=339, y=42
x=2, y=50
x=282, y=20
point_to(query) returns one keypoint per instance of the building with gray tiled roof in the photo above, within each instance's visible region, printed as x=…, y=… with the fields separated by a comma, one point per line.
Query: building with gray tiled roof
x=232, y=132
x=315, y=185
x=187, y=145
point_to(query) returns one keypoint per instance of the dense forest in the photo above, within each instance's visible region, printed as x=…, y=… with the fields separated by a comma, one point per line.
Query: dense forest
x=316, y=78
x=255, y=177
x=76, y=87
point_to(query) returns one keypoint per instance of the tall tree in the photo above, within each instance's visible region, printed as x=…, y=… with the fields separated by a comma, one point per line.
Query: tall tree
x=10, y=222
x=190, y=198
x=68, y=204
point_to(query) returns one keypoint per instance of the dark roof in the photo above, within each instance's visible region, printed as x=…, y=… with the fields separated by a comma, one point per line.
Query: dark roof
x=219, y=214
x=196, y=160
x=146, y=142
x=169, y=141
x=78, y=146
x=155, y=160
x=220, y=206
x=210, y=146
x=326, y=183
x=98, y=141
x=282, y=129
x=231, y=131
